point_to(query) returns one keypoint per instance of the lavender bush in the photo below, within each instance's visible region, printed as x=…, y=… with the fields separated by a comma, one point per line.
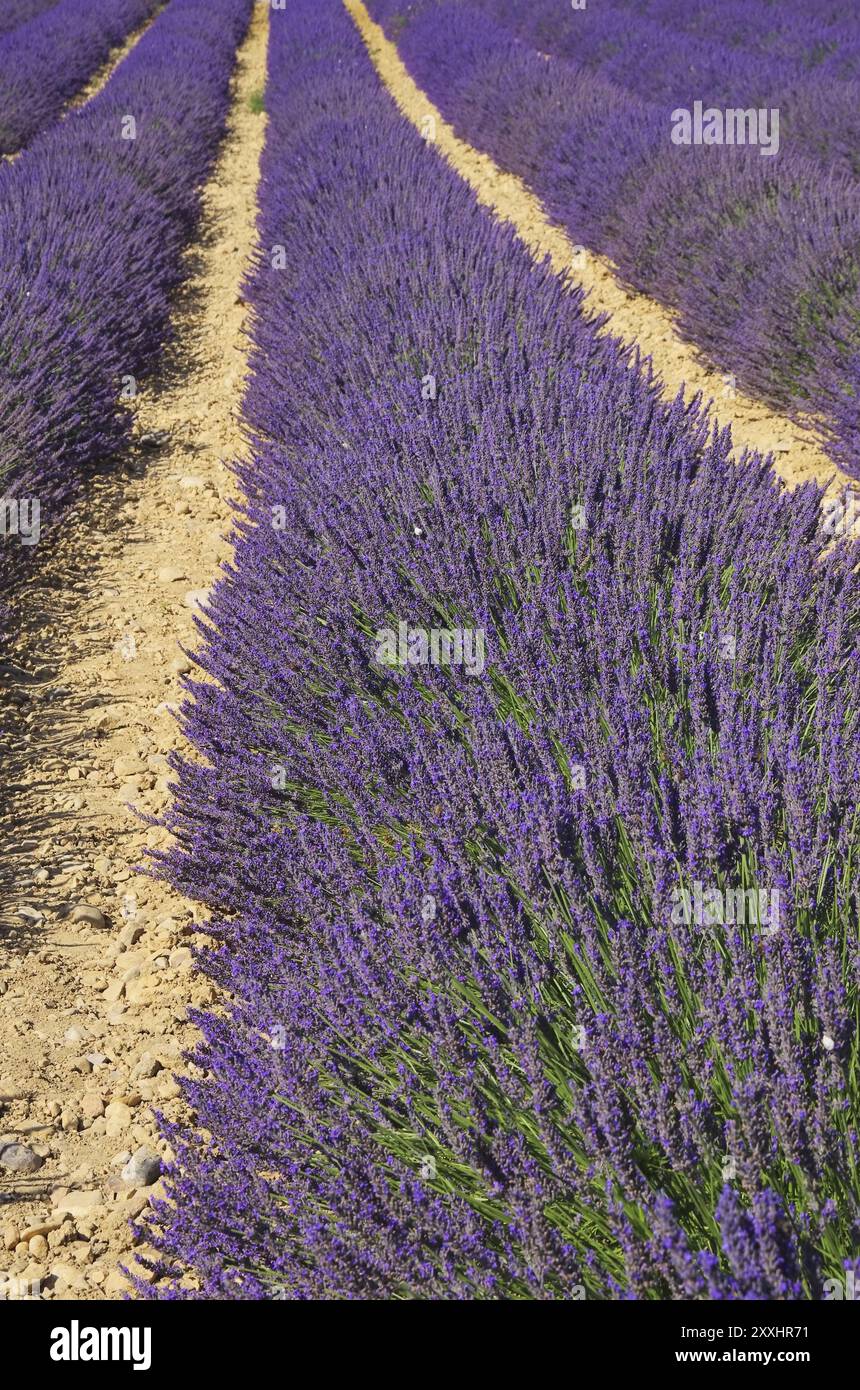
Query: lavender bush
x=760, y=257
x=800, y=32
x=736, y=55
x=479, y=1043
x=46, y=62
x=93, y=219
x=808, y=69
x=16, y=12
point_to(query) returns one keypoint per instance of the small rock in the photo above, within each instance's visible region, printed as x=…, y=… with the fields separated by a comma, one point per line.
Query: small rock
x=18, y=1158
x=128, y=766
x=92, y=1105
x=118, y=1118
x=116, y=1283
x=148, y=1066
x=191, y=484
x=38, y=1247
x=143, y=1168
x=91, y=915
x=79, y=1203
x=171, y=574
x=69, y=1122
x=130, y=934
x=197, y=598
x=154, y=439
x=75, y=1034
x=66, y=1274
x=11, y=1237
x=43, y=1228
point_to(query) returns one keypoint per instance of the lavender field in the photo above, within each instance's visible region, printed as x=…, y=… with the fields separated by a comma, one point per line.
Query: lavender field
x=462, y=899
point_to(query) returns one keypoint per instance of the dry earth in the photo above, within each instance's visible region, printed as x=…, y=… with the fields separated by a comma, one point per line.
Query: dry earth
x=635, y=319
x=95, y=975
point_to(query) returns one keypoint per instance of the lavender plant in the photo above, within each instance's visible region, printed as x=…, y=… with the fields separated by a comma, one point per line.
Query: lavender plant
x=93, y=219
x=759, y=256
x=740, y=55
x=480, y=1037
x=45, y=62
x=17, y=12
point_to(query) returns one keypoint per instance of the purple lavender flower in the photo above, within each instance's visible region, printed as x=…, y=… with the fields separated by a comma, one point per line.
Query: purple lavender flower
x=470, y=1049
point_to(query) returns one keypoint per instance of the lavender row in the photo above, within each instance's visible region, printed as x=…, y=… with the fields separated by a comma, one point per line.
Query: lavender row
x=16, y=12
x=811, y=82
x=815, y=88
x=759, y=257
x=93, y=219
x=46, y=62
x=803, y=33
x=514, y=678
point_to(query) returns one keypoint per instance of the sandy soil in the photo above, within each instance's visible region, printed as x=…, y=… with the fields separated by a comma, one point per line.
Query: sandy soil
x=95, y=976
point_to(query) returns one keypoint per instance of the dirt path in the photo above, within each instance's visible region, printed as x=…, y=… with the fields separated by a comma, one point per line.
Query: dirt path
x=95, y=973
x=634, y=318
